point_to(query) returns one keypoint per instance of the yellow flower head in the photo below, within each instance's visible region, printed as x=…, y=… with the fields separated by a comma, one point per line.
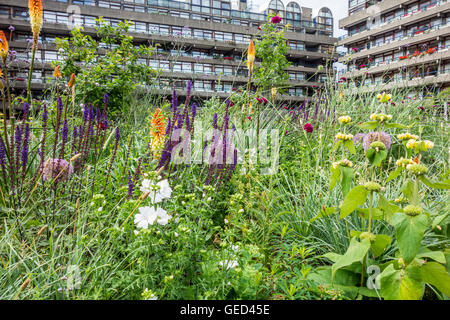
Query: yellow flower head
x=36, y=18
x=384, y=97
x=407, y=136
x=380, y=117
x=428, y=144
x=344, y=119
x=1, y=73
x=57, y=73
x=4, y=48
x=411, y=144
x=344, y=137
x=274, y=93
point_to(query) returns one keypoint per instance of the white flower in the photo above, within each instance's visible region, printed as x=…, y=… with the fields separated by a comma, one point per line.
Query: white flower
x=163, y=192
x=228, y=264
x=100, y=209
x=235, y=248
x=148, y=215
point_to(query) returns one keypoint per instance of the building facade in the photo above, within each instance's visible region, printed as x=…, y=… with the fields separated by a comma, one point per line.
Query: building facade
x=397, y=43
x=204, y=41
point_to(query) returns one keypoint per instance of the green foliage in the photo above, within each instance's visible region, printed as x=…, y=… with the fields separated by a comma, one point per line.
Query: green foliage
x=109, y=64
x=272, y=50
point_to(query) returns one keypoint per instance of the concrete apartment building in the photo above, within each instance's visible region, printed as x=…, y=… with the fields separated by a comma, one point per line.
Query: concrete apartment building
x=201, y=40
x=397, y=43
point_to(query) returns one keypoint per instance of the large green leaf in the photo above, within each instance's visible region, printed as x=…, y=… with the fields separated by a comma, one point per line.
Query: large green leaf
x=334, y=178
x=350, y=146
x=369, y=125
x=356, y=197
x=434, y=185
x=403, y=284
x=388, y=208
x=435, y=255
x=377, y=214
x=409, y=232
x=408, y=189
x=355, y=252
x=381, y=243
x=347, y=178
x=394, y=174
x=436, y=275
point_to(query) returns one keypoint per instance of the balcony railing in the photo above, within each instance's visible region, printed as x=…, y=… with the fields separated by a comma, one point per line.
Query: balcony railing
x=398, y=16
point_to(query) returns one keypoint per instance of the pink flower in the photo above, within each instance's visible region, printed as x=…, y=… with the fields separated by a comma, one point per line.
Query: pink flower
x=264, y=100
x=308, y=128
x=275, y=19
x=259, y=100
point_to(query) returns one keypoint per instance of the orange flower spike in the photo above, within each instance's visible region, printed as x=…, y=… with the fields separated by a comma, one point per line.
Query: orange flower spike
x=71, y=81
x=251, y=55
x=57, y=73
x=158, y=125
x=36, y=18
x=4, y=48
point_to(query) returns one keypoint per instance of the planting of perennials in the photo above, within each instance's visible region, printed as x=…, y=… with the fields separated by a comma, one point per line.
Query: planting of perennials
x=110, y=189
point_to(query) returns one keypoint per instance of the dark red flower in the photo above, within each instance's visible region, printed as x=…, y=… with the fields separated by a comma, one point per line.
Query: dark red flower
x=275, y=19
x=264, y=100
x=308, y=127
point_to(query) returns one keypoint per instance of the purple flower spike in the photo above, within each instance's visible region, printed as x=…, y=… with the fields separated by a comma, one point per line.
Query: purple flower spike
x=174, y=101
x=215, y=120
x=188, y=87
x=59, y=105
x=117, y=134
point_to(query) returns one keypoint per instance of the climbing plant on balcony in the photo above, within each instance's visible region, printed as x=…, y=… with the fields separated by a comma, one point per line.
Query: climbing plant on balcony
x=271, y=50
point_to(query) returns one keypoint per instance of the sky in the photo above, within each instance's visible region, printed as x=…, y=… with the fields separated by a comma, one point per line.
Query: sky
x=339, y=8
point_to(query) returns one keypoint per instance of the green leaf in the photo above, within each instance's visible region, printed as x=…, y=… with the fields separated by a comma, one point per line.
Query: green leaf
x=323, y=213
x=347, y=178
x=438, y=220
x=408, y=190
x=356, y=197
x=369, y=125
x=401, y=284
x=355, y=253
x=334, y=178
x=377, y=214
x=394, y=174
x=438, y=256
x=379, y=157
x=409, y=232
x=350, y=146
x=396, y=125
x=333, y=256
x=436, y=275
x=388, y=208
x=381, y=243
x=434, y=185
x=336, y=145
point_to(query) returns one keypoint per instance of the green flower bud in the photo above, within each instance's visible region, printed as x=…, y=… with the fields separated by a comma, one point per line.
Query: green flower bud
x=372, y=186
x=378, y=144
x=368, y=235
x=417, y=169
x=412, y=210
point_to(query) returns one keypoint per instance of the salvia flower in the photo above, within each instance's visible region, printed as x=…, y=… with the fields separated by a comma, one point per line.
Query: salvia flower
x=376, y=136
x=57, y=169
